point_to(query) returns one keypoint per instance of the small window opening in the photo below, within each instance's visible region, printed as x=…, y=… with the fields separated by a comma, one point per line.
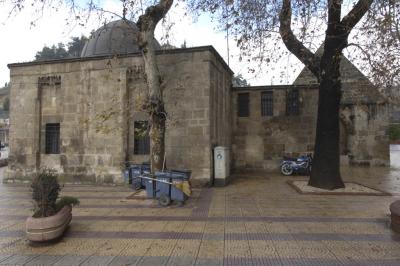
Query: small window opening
x=267, y=103
x=292, y=102
x=52, y=138
x=243, y=104
x=142, y=138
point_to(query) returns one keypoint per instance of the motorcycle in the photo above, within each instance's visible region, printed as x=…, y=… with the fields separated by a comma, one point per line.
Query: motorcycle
x=299, y=165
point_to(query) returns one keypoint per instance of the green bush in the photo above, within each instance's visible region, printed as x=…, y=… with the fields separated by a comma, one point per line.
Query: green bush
x=394, y=132
x=66, y=200
x=45, y=190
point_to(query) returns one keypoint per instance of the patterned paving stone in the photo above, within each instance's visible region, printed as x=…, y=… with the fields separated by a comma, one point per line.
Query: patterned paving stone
x=70, y=260
x=124, y=260
x=17, y=260
x=97, y=260
x=209, y=262
x=150, y=261
x=44, y=260
x=256, y=220
x=3, y=257
x=181, y=261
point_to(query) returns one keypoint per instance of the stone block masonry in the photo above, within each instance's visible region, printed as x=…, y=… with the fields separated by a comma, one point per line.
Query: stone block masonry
x=96, y=102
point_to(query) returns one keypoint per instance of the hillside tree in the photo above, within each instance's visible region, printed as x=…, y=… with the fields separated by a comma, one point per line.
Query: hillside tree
x=74, y=49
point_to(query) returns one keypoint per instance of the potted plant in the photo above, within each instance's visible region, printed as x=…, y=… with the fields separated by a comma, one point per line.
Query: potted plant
x=52, y=214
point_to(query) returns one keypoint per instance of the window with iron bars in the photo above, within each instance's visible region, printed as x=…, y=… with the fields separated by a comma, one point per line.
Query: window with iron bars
x=52, y=138
x=142, y=138
x=292, y=102
x=372, y=111
x=243, y=104
x=267, y=103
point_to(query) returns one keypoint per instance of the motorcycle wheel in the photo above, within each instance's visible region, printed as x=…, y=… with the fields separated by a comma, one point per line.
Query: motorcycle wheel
x=286, y=169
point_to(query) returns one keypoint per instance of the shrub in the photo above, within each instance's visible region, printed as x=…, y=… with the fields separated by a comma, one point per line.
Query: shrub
x=394, y=132
x=66, y=200
x=45, y=190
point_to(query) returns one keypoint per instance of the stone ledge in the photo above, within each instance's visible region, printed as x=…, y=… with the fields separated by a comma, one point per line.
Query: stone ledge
x=352, y=188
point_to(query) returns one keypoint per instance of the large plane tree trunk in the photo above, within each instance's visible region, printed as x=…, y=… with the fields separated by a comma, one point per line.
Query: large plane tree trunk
x=325, y=171
x=154, y=104
x=326, y=68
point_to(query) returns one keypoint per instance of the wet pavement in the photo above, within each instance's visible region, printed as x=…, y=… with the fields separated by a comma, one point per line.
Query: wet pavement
x=257, y=220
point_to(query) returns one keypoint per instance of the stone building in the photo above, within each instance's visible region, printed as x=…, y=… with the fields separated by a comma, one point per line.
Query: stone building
x=394, y=116
x=58, y=109
x=272, y=121
x=82, y=115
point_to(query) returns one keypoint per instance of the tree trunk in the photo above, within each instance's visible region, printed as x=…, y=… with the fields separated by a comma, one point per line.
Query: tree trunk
x=157, y=140
x=326, y=165
x=154, y=104
x=325, y=171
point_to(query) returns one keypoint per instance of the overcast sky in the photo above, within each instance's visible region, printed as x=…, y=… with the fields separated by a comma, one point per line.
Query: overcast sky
x=21, y=41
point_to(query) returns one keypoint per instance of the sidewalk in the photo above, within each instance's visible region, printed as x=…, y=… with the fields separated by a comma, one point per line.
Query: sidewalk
x=256, y=220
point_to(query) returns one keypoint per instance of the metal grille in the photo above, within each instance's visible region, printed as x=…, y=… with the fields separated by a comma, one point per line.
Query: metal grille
x=142, y=139
x=243, y=104
x=292, y=102
x=53, y=138
x=267, y=103
x=372, y=110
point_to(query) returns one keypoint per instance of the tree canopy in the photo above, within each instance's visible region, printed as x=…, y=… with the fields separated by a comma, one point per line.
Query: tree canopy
x=374, y=43
x=239, y=81
x=59, y=51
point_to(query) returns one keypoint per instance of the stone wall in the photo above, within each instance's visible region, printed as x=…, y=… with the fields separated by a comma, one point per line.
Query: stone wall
x=73, y=94
x=95, y=103
x=197, y=93
x=260, y=142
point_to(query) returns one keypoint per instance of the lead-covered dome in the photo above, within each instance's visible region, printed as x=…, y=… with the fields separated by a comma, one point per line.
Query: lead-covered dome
x=116, y=37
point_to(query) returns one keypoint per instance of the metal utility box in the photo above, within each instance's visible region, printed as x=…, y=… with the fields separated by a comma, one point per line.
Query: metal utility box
x=221, y=165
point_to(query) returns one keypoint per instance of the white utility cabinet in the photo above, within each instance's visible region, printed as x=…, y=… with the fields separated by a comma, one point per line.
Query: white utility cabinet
x=221, y=165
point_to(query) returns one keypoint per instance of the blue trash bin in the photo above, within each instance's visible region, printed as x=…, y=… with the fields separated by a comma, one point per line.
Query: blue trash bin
x=163, y=188
x=135, y=170
x=126, y=176
x=181, y=174
x=176, y=177
x=145, y=167
x=150, y=186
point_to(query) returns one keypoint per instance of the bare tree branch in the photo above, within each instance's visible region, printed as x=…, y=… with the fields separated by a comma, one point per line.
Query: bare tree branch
x=355, y=15
x=310, y=60
x=153, y=14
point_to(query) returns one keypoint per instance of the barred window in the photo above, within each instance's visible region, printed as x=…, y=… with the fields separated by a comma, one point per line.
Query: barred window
x=292, y=102
x=52, y=138
x=243, y=104
x=142, y=138
x=267, y=103
x=372, y=111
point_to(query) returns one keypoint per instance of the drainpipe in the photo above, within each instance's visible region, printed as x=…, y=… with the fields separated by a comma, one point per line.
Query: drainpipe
x=39, y=112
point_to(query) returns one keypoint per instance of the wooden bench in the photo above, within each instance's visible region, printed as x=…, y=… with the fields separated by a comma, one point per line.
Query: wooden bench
x=395, y=216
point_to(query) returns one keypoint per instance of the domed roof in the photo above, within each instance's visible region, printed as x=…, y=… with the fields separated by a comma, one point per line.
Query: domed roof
x=116, y=37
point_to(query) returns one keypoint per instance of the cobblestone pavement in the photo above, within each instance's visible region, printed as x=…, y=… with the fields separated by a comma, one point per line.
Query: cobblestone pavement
x=256, y=220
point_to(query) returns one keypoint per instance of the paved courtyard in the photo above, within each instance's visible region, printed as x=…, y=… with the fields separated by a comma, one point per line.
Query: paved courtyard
x=257, y=220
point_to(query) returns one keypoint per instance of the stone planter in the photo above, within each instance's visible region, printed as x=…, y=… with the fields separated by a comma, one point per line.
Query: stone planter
x=48, y=228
